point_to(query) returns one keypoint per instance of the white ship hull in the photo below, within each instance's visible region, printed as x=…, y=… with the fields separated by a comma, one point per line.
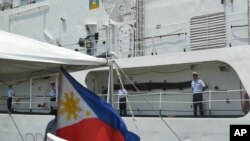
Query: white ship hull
x=157, y=43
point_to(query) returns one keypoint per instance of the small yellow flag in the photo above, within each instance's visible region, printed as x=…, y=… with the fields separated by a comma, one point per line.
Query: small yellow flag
x=93, y=4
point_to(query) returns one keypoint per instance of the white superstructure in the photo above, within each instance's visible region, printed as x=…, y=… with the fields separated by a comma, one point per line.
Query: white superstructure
x=158, y=44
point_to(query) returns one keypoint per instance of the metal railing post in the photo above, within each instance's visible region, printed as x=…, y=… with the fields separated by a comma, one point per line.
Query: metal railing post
x=30, y=106
x=118, y=103
x=153, y=51
x=160, y=104
x=209, y=102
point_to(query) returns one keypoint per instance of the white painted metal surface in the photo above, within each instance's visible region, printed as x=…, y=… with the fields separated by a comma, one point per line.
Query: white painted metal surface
x=33, y=125
x=194, y=129
x=165, y=51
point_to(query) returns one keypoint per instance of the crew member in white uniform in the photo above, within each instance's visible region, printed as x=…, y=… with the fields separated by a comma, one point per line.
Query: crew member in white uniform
x=10, y=95
x=52, y=94
x=198, y=86
x=122, y=93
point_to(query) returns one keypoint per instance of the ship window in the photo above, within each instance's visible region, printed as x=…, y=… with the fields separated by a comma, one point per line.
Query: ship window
x=208, y=31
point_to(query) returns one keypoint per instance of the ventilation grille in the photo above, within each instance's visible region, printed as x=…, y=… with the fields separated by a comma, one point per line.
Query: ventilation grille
x=208, y=31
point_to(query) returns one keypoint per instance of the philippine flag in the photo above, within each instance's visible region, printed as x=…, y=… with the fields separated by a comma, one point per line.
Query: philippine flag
x=83, y=116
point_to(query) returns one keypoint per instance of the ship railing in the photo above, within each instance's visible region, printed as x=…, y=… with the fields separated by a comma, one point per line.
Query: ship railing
x=159, y=43
x=185, y=25
x=33, y=99
x=152, y=43
x=176, y=38
x=100, y=47
x=220, y=102
x=182, y=36
x=153, y=50
x=226, y=103
x=36, y=104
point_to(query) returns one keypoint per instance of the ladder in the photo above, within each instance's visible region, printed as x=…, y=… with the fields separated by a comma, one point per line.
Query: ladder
x=139, y=28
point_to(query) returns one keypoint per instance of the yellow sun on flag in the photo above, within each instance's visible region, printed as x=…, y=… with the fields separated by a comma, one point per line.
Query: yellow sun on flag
x=88, y=113
x=70, y=106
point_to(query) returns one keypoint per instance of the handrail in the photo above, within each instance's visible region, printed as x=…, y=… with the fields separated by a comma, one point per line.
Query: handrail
x=185, y=102
x=151, y=45
x=180, y=93
x=208, y=99
x=190, y=102
x=31, y=102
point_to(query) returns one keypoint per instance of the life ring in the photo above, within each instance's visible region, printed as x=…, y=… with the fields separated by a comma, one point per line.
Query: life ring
x=246, y=104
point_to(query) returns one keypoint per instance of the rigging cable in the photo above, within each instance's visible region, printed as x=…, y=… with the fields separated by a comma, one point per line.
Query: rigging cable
x=9, y=110
x=129, y=105
x=140, y=93
x=16, y=125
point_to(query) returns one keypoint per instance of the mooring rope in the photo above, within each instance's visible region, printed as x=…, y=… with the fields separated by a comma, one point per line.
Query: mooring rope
x=165, y=122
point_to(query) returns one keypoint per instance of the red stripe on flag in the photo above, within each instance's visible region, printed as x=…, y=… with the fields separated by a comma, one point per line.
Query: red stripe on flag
x=91, y=129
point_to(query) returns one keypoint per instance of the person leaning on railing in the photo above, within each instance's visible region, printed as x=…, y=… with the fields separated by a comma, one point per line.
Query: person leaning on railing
x=198, y=86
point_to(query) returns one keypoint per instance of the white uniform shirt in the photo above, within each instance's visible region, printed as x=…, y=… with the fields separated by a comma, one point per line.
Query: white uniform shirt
x=52, y=92
x=11, y=92
x=122, y=93
x=197, y=86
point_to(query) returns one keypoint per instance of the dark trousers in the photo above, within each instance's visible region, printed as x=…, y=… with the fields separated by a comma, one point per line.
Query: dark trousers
x=52, y=110
x=53, y=99
x=197, y=99
x=9, y=104
x=123, y=107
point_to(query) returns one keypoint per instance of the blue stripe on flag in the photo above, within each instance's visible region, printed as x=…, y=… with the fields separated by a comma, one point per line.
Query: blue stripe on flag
x=102, y=109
